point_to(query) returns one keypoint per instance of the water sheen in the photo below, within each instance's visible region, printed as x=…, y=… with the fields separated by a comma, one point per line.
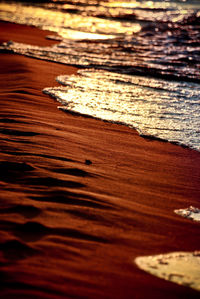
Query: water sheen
x=142, y=61
x=168, y=110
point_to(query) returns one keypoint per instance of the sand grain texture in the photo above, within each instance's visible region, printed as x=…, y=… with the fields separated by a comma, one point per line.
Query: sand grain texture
x=81, y=198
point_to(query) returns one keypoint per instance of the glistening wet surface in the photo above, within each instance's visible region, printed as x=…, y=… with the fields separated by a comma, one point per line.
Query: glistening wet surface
x=156, y=43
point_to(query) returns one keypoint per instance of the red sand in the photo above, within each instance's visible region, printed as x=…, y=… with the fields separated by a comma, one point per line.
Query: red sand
x=71, y=229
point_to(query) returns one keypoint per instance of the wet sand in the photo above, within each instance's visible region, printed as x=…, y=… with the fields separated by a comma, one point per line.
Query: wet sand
x=82, y=198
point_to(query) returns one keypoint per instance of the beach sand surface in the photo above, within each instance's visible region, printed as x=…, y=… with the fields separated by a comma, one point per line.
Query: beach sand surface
x=82, y=198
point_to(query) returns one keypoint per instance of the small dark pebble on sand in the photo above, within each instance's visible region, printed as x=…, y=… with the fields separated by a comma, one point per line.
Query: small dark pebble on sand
x=88, y=162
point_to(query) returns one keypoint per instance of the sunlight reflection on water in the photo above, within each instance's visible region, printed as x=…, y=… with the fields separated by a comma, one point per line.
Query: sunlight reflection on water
x=60, y=22
x=145, y=39
x=167, y=110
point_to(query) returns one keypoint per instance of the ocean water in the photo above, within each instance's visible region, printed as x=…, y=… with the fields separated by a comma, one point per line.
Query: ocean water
x=139, y=61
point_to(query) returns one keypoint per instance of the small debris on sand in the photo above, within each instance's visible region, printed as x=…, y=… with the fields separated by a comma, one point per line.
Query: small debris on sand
x=88, y=162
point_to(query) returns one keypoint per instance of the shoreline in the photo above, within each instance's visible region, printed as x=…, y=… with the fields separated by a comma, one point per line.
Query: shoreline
x=82, y=198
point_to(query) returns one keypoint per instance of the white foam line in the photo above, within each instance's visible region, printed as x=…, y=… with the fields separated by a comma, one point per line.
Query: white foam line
x=179, y=267
x=191, y=213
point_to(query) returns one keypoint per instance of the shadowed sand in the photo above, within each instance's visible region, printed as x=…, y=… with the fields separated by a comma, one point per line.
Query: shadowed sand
x=81, y=198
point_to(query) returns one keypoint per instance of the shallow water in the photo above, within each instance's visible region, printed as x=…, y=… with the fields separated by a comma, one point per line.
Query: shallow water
x=152, y=106
x=179, y=267
x=149, y=51
x=191, y=213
